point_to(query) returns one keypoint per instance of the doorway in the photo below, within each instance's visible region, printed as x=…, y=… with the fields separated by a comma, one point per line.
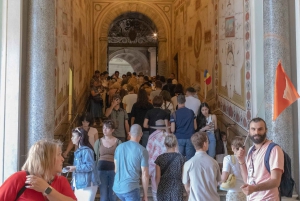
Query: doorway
x=132, y=45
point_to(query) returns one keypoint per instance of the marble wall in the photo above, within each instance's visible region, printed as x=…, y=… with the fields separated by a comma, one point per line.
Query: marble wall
x=214, y=35
x=73, y=54
x=194, y=42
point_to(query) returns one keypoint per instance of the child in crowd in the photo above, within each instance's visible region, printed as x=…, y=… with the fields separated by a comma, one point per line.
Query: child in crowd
x=231, y=166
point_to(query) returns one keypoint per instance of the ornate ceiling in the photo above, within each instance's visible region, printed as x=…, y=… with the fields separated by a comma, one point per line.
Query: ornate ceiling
x=132, y=28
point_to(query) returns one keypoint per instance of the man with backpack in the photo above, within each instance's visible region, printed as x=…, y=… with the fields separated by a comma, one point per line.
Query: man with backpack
x=261, y=182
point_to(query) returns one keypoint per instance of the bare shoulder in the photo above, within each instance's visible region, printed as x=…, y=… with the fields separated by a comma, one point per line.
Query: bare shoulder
x=214, y=117
x=93, y=130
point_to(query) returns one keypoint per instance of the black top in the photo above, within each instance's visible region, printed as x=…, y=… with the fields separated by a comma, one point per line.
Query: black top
x=155, y=114
x=139, y=114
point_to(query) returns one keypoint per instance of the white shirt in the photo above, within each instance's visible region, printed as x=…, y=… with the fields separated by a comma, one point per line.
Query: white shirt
x=192, y=103
x=233, y=167
x=129, y=100
x=202, y=172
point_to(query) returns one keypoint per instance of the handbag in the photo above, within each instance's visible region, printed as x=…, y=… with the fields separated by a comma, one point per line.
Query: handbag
x=229, y=183
x=231, y=180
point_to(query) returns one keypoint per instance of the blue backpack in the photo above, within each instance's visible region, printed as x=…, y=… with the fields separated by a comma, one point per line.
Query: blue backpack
x=287, y=183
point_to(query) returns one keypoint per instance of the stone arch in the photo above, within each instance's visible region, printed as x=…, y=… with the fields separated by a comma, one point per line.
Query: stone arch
x=112, y=11
x=136, y=59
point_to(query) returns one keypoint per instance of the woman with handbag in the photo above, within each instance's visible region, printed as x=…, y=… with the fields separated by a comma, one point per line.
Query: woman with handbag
x=208, y=123
x=231, y=174
x=85, y=179
x=168, y=172
x=105, y=151
x=39, y=178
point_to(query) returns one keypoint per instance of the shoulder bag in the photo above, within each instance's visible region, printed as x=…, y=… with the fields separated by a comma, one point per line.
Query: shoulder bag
x=21, y=191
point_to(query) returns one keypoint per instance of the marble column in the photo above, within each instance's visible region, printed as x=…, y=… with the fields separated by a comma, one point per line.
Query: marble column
x=277, y=47
x=152, y=51
x=39, y=71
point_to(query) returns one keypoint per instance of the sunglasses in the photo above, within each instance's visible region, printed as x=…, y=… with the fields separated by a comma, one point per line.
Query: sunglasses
x=77, y=129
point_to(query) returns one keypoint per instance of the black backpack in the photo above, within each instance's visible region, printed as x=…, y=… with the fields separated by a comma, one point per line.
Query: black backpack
x=287, y=183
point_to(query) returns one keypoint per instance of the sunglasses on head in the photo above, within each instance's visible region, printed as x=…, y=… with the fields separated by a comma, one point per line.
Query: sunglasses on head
x=77, y=129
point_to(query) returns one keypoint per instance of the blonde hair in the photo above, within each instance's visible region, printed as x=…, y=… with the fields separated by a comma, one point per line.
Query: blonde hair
x=41, y=158
x=170, y=141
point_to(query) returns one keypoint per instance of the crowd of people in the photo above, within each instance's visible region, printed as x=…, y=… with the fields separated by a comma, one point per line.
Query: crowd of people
x=151, y=130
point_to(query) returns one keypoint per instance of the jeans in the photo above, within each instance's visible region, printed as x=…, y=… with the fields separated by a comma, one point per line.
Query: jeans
x=130, y=196
x=107, y=182
x=145, y=138
x=212, y=144
x=186, y=148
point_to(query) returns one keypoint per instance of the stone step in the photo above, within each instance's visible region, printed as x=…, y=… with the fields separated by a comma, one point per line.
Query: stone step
x=149, y=195
x=222, y=194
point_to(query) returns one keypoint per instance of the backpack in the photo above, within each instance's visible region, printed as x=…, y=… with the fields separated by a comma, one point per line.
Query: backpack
x=287, y=183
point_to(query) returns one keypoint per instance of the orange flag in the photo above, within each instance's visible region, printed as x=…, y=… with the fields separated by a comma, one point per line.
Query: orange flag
x=285, y=93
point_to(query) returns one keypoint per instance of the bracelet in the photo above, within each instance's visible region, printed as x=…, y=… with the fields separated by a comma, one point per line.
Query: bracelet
x=242, y=163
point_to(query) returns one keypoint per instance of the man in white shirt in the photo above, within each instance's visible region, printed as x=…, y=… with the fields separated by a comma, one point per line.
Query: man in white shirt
x=129, y=100
x=192, y=102
x=201, y=173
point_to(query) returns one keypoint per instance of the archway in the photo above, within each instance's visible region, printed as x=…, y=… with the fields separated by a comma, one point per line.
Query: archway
x=119, y=64
x=110, y=12
x=135, y=58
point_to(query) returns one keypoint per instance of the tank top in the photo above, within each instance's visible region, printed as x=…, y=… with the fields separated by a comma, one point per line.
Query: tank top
x=107, y=153
x=210, y=122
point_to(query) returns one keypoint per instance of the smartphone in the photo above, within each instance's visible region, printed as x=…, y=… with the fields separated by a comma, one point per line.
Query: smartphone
x=65, y=169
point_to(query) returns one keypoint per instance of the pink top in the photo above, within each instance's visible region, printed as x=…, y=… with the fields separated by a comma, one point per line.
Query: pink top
x=155, y=147
x=261, y=174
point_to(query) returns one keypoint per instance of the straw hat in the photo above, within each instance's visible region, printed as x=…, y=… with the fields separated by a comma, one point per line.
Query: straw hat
x=160, y=124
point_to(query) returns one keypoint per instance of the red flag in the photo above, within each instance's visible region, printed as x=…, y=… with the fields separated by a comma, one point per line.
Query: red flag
x=207, y=77
x=285, y=93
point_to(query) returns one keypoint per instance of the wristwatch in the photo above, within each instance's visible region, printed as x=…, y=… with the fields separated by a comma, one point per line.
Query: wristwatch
x=48, y=190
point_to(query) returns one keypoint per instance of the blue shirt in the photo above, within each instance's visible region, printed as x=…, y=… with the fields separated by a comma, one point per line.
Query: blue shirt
x=130, y=157
x=184, y=123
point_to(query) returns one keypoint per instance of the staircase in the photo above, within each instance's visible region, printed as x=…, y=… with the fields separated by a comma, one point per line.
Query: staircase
x=149, y=194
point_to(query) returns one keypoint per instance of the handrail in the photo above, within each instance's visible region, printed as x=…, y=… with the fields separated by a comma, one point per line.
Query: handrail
x=71, y=125
x=75, y=118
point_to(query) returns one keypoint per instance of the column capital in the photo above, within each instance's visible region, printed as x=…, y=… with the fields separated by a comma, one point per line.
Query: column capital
x=152, y=49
